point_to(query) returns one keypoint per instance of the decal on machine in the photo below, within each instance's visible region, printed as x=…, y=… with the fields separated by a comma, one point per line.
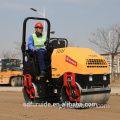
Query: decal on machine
x=26, y=58
x=71, y=61
x=47, y=80
x=92, y=55
x=55, y=90
x=60, y=51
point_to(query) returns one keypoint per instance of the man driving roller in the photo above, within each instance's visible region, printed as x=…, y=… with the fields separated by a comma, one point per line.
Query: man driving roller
x=36, y=43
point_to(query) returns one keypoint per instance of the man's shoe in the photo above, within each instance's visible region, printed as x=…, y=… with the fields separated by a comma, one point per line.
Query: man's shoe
x=42, y=73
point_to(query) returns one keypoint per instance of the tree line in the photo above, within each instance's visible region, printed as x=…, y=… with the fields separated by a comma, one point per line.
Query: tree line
x=108, y=41
x=12, y=53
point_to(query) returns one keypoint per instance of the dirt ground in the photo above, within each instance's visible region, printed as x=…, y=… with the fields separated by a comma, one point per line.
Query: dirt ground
x=11, y=108
x=115, y=83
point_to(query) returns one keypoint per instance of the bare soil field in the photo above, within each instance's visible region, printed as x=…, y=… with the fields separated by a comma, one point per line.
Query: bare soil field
x=11, y=108
x=115, y=83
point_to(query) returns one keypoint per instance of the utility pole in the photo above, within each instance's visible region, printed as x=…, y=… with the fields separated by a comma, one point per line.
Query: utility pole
x=110, y=52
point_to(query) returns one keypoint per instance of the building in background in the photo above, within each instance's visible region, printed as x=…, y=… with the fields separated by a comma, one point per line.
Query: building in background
x=108, y=57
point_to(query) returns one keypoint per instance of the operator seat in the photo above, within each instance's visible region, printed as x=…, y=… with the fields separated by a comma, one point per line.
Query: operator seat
x=57, y=43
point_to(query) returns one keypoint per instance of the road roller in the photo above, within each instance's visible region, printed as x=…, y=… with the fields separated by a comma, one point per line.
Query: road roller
x=73, y=74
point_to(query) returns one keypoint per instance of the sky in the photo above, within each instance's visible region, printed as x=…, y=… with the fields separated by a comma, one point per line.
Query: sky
x=74, y=20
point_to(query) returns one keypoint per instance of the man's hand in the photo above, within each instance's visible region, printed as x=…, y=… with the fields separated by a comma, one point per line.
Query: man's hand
x=34, y=50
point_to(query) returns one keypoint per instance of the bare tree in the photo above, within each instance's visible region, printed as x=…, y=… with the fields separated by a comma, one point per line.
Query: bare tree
x=12, y=54
x=5, y=54
x=8, y=54
x=18, y=48
x=72, y=44
x=101, y=39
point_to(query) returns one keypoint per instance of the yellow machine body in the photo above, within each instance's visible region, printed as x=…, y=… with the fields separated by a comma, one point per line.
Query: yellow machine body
x=5, y=76
x=90, y=68
x=78, y=60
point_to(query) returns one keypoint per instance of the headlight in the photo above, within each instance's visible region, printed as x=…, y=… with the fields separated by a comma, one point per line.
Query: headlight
x=90, y=78
x=104, y=78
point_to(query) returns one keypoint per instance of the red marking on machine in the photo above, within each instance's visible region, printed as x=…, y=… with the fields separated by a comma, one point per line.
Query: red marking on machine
x=73, y=86
x=28, y=85
x=71, y=61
